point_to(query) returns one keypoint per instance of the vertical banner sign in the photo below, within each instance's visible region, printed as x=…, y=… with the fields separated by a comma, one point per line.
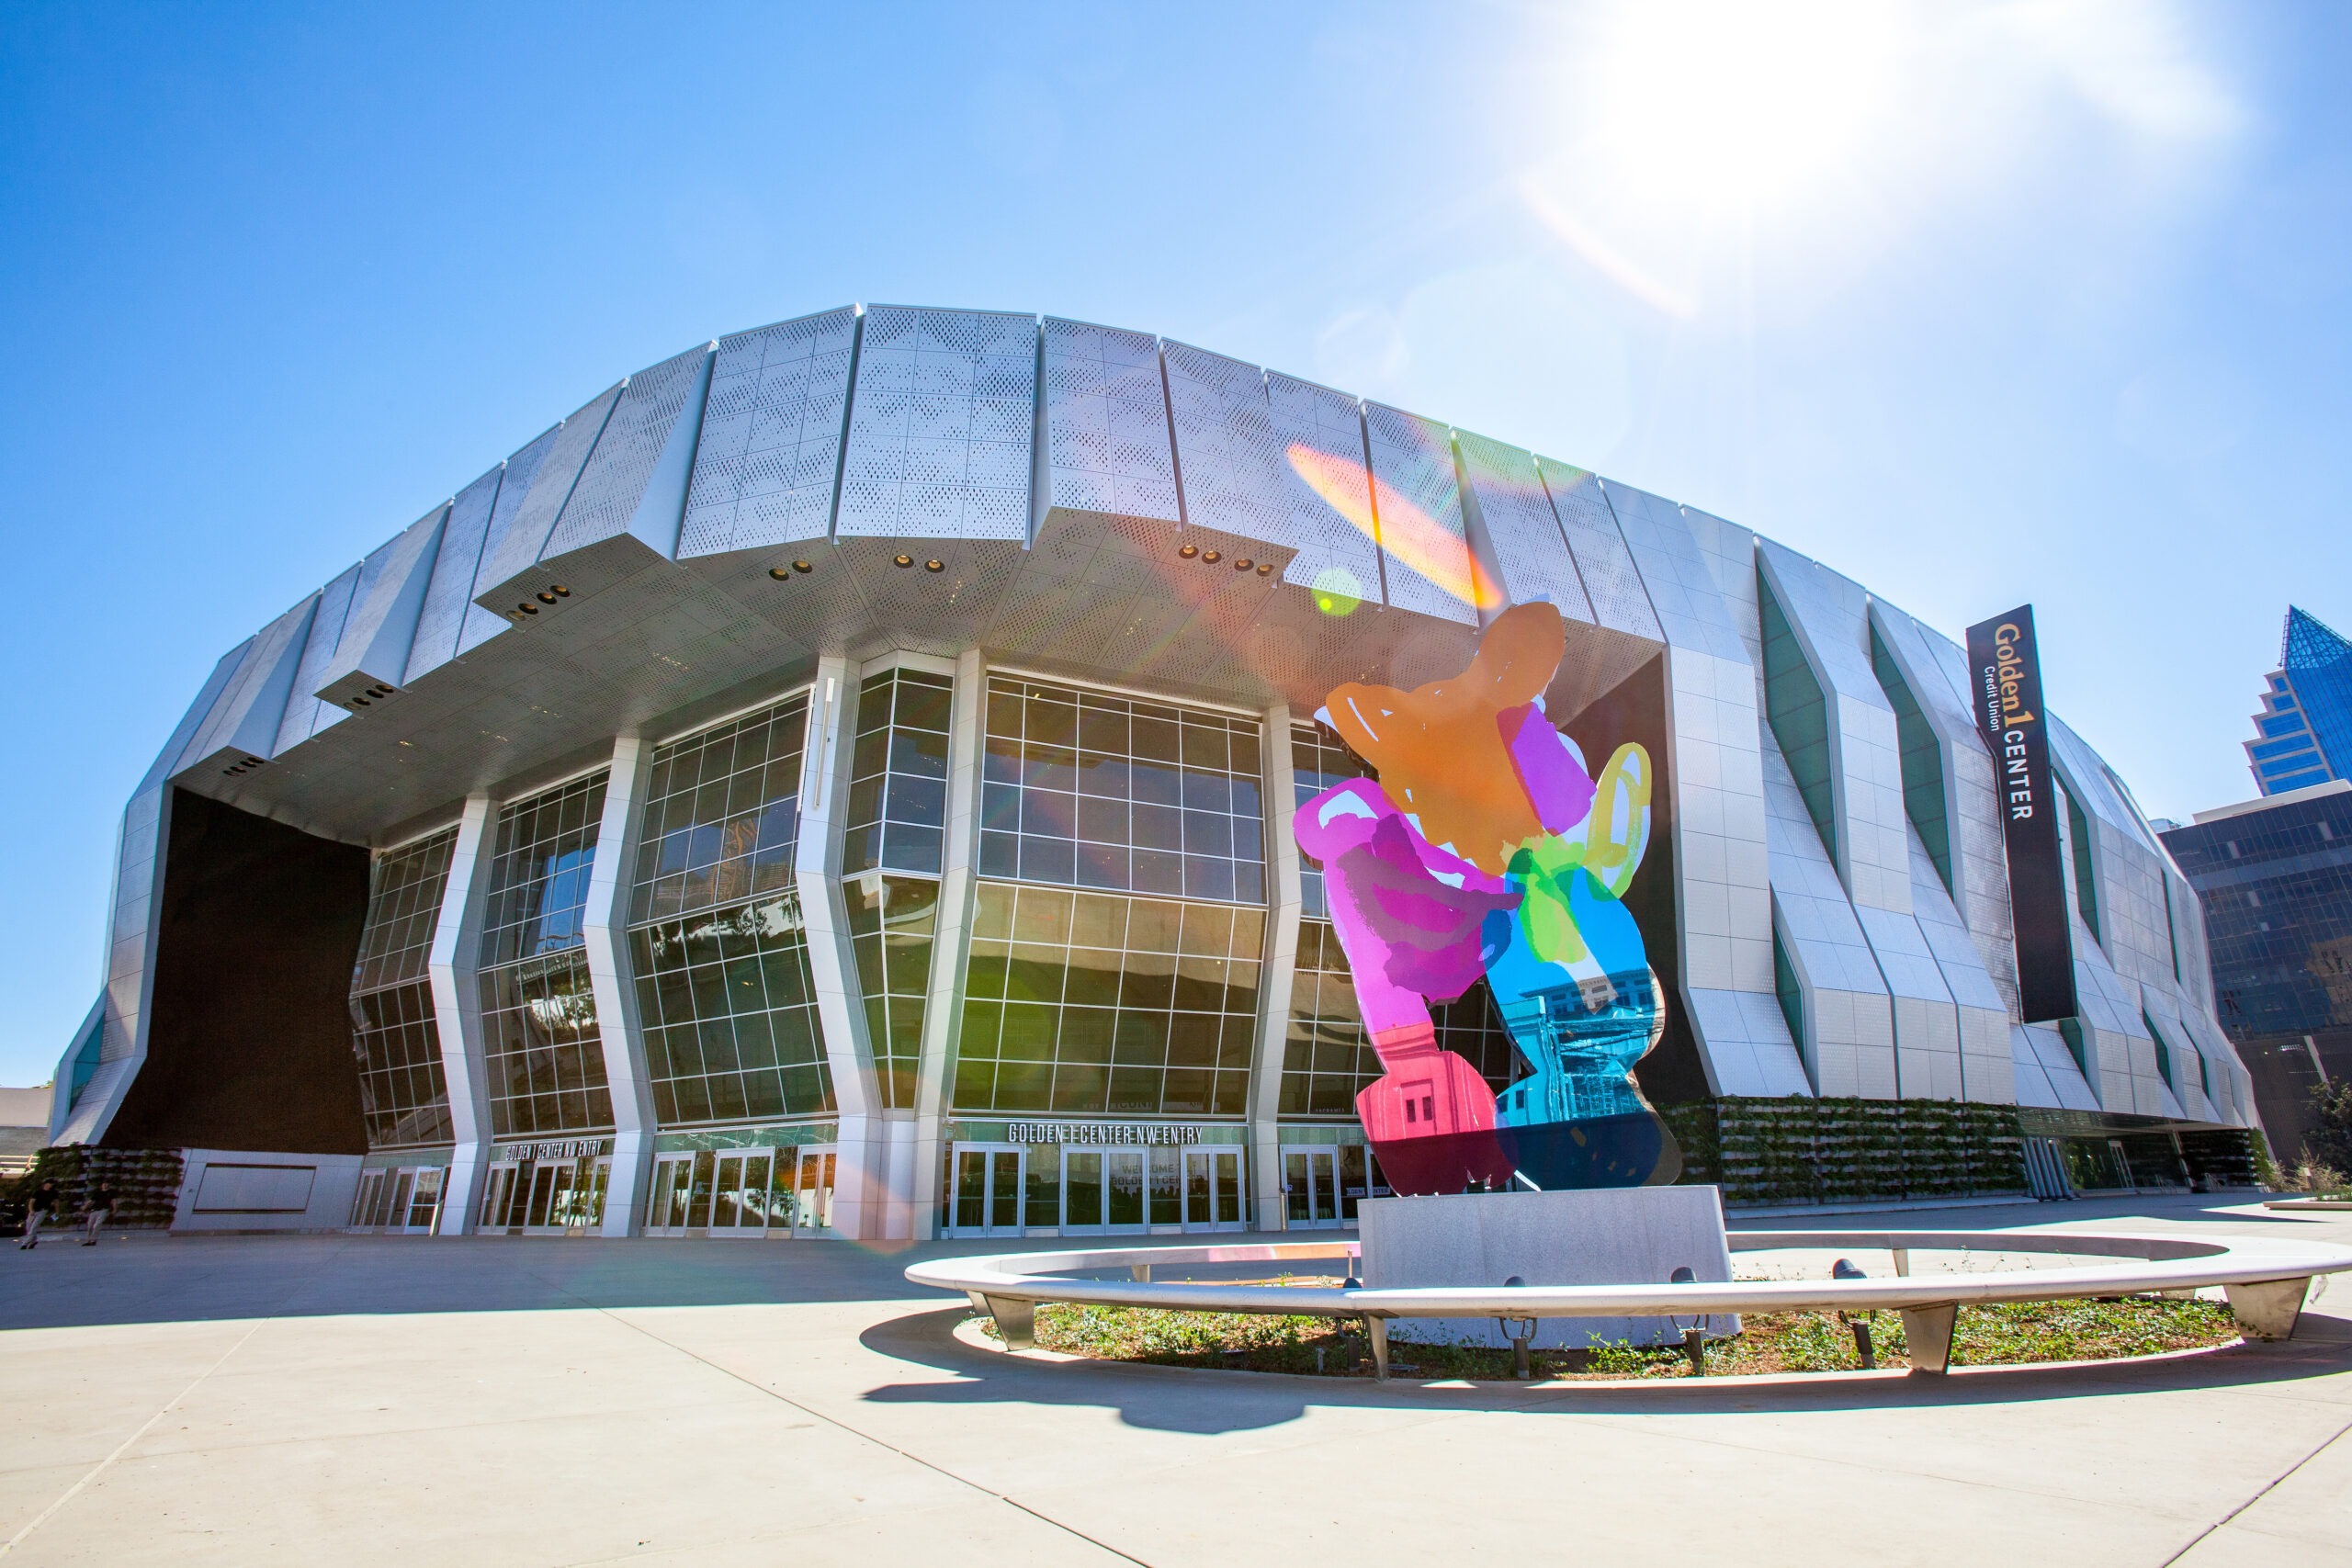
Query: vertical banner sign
x=2009, y=712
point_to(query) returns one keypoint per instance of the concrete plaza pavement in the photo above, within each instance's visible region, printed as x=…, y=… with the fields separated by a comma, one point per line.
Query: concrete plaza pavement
x=354, y=1400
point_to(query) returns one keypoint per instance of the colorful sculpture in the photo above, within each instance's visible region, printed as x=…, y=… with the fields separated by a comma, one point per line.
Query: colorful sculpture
x=1488, y=849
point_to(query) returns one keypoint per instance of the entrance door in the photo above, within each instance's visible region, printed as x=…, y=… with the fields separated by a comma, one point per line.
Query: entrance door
x=1123, y=1190
x=739, y=1205
x=1103, y=1190
x=550, y=1191
x=424, y=1201
x=1311, y=1188
x=396, y=1211
x=1213, y=1190
x=371, y=1192
x=987, y=1191
x=498, y=1198
x=812, y=1192
x=673, y=1184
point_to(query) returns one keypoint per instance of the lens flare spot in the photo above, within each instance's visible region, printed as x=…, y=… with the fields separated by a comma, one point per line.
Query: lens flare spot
x=1337, y=591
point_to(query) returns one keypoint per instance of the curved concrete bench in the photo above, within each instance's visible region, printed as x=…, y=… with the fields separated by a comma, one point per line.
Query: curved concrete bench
x=2265, y=1282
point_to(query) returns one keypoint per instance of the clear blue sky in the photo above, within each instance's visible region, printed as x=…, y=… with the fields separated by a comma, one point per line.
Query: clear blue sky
x=1976, y=305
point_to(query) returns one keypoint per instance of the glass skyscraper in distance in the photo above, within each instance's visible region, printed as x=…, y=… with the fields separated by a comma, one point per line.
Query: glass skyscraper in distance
x=2303, y=734
x=2275, y=878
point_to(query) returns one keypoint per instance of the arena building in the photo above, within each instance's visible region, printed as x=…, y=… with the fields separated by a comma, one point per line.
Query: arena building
x=838, y=782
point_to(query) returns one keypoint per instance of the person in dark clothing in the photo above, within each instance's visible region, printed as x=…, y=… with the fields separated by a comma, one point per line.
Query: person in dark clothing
x=101, y=1207
x=42, y=1208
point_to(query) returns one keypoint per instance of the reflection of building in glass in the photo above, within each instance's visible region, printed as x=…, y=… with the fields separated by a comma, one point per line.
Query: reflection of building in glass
x=838, y=781
x=2303, y=734
x=2275, y=877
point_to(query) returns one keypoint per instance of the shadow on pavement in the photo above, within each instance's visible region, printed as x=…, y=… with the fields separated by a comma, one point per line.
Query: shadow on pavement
x=1213, y=1399
x=160, y=1279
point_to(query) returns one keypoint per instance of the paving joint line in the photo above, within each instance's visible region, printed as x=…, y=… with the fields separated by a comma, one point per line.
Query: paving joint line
x=2276, y=1482
x=839, y=1425
x=124, y=1446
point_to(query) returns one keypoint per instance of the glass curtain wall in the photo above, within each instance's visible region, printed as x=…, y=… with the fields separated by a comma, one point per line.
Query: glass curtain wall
x=540, y=1044
x=404, y=1097
x=1328, y=1057
x=1120, y=918
x=894, y=830
x=719, y=948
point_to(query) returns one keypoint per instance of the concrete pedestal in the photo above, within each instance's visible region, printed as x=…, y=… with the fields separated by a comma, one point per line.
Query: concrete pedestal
x=1587, y=1237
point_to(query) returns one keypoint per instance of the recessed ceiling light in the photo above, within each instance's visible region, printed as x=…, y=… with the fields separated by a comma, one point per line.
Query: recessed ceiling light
x=902, y=560
x=526, y=608
x=802, y=566
x=934, y=566
x=1189, y=551
x=1212, y=556
x=1265, y=568
x=561, y=592
x=781, y=573
x=547, y=598
x=1244, y=564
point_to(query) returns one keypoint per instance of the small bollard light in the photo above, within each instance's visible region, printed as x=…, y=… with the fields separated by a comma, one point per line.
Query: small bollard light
x=1518, y=1331
x=1844, y=1269
x=1694, y=1337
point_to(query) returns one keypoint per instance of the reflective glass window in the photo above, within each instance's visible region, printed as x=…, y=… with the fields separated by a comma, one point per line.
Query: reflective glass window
x=1318, y=759
x=891, y=923
x=897, y=814
x=722, y=814
x=1096, y=1003
x=404, y=1097
x=1089, y=789
x=726, y=1001
x=540, y=1046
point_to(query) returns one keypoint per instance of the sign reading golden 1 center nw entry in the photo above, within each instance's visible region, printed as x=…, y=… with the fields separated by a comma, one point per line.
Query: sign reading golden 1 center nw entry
x=1099, y=1133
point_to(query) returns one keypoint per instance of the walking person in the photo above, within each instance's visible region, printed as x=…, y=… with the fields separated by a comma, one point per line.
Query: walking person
x=42, y=1207
x=101, y=1206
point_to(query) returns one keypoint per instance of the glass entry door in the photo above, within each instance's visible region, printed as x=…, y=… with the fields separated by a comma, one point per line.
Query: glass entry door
x=1311, y=1188
x=988, y=1191
x=742, y=1192
x=543, y=1201
x=673, y=1191
x=1103, y=1190
x=425, y=1202
x=497, y=1197
x=1213, y=1191
x=812, y=1192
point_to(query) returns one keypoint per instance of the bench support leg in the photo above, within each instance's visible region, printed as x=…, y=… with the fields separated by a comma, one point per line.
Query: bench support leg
x=1376, y=1330
x=1140, y=1271
x=2267, y=1309
x=1927, y=1336
x=1016, y=1322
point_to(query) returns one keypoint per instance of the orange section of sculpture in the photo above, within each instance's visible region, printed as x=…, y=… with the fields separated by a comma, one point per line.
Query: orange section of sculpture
x=1441, y=752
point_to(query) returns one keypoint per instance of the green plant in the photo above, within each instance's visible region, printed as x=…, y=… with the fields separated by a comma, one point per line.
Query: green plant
x=2329, y=1143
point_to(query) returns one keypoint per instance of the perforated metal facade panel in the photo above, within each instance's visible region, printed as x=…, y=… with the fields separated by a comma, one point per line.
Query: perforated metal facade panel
x=516, y=544
x=1107, y=422
x=251, y=705
x=1236, y=477
x=1418, y=505
x=450, y=593
x=1507, y=497
x=771, y=436
x=521, y=475
x=1332, y=532
x=305, y=713
x=613, y=478
x=1604, y=566
x=941, y=425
